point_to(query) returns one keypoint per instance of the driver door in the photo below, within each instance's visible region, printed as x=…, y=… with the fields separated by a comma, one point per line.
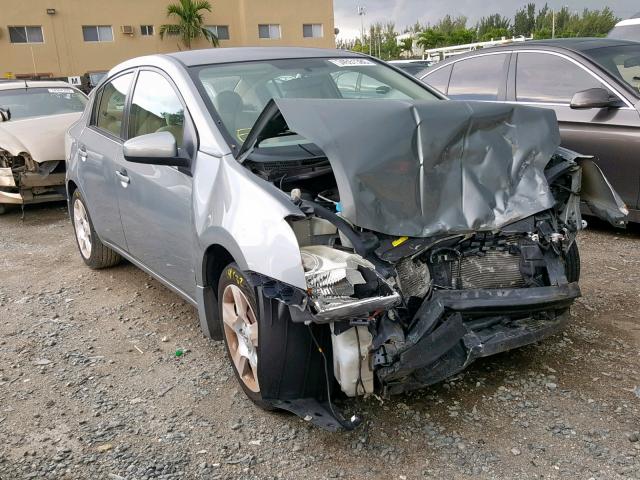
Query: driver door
x=155, y=200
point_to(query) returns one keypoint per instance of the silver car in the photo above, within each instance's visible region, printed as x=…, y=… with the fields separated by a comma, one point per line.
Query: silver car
x=337, y=240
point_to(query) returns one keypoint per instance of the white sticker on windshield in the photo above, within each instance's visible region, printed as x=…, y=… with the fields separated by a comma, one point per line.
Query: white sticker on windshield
x=351, y=62
x=60, y=90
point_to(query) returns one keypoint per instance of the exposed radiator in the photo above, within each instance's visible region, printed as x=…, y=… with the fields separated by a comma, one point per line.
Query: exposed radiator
x=494, y=269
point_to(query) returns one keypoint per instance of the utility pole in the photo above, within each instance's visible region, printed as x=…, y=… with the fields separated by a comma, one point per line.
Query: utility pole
x=553, y=23
x=362, y=11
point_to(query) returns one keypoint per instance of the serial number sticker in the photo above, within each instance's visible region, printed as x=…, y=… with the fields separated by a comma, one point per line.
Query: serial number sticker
x=60, y=90
x=351, y=62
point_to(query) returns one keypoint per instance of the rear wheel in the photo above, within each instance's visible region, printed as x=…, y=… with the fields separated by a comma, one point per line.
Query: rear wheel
x=94, y=253
x=240, y=323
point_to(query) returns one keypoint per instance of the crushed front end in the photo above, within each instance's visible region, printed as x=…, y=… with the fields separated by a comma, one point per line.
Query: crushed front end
x=25, y=181
x=457, y=244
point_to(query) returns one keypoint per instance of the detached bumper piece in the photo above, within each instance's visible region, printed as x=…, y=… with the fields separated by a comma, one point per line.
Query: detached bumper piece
x=454, y=328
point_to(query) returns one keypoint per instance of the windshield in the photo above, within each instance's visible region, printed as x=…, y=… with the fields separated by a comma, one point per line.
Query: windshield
x=622, y=61
x=41, y=101
x=240, y=91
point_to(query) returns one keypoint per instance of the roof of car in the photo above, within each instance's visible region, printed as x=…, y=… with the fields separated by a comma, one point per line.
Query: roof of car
x=246, y=54
x=15, y=84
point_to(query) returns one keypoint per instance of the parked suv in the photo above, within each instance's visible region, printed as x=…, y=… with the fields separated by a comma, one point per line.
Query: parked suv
x=333, y=242
x=592, y=84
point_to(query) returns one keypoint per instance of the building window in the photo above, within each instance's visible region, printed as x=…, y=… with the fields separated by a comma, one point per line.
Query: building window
x=269, y=31
x=146, y=30
x=27, y=34
x=97, y=33
x=220, y=31
x=312, y=30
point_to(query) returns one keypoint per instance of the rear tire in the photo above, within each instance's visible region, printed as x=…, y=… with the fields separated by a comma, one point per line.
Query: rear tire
x=572, y=263
x=240, y=324
x=94, y=253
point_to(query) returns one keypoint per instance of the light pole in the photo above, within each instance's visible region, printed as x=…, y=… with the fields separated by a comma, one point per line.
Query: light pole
x=362, y=11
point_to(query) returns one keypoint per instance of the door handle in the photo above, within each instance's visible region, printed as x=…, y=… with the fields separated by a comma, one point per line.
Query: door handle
x=82, y=153
x=123, y=177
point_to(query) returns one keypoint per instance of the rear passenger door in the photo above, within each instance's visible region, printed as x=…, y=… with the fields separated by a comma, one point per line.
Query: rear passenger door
x=482, y=77
x=155, y=200
x=549, y=80
x=99, y=150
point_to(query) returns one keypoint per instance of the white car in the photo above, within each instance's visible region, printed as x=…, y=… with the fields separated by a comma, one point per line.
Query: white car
x=34, y=116
x=627, y=29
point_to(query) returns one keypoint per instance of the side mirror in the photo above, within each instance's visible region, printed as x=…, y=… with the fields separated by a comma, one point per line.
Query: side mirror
x=383, y=89
x=593, y=98
x=157, y=148
x=5, y=115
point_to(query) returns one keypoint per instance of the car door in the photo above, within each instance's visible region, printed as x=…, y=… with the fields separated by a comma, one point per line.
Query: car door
x=155, y=200
x=550, y=80
x=99, y=150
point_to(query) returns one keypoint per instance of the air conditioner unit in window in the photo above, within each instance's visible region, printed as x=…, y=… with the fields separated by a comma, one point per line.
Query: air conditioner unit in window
x=127, y=29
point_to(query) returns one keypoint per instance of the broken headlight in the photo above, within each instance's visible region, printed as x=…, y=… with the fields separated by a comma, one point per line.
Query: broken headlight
x=343, y=284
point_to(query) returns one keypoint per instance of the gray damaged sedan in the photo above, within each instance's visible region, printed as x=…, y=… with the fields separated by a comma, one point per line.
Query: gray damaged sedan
x=378, y=238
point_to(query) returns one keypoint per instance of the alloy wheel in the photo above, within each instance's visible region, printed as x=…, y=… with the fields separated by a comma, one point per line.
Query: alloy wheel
x=82, y=228
x=241, y=334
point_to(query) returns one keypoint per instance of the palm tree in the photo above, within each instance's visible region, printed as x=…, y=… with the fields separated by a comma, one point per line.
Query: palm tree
x=190, y=22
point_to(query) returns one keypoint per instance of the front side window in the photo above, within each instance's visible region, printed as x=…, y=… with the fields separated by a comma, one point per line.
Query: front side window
x=111, y=102
x=97, y=33
x=271, y=31
x=239, y=92
x=546, y=78
x=220, y=31
x=26, y=34
x=155, y=107
x=312, y=30
x=41, y=101
x=439, y=79
x=622, y=61
x=477, y=78
x=146, y=30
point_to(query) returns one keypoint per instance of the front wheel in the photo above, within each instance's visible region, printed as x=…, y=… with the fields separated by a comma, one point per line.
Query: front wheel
x=240, y=323
x=572, y=263
x=94, y=253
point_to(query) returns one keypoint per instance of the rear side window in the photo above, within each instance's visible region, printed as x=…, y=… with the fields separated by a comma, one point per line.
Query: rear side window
x=546, y=78
x=477, y=78
x=155, y=107
x=111, y=102
x=439, y=79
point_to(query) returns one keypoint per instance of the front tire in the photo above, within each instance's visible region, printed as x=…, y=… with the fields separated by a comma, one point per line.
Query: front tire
x=240, y=325
x=572, y=263
x=94, y=253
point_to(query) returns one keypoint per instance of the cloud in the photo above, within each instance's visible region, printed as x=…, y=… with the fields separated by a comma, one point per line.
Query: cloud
x=406, y=12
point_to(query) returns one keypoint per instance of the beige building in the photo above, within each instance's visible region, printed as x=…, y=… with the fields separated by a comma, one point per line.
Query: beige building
x=71, y=37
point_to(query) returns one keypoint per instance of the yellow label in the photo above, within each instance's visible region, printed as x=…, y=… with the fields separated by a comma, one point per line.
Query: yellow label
x=234, y=276
x=399, y=241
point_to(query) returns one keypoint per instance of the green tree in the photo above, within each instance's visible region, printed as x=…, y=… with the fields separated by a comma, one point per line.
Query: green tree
x=431, y=38
x=190, y=26
x=494, y=26
x=406, y=46
x=524, y=21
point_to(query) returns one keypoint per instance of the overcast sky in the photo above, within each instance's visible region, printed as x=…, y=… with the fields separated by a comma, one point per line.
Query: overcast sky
x=406, y=12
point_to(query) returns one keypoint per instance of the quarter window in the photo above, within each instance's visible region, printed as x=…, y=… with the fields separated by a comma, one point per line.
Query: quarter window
x=26, y=34
x=146, y=30
x=220, y=31
x=111, y=104
x=312, y=30
x=439, y=79
x=477, y=78
x=269, y=31
x=546, y=78
x=155, y=107
x=97, y=33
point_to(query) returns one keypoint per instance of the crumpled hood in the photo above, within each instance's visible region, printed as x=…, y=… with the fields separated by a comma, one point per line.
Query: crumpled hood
x=41, y=137
x=422, y=168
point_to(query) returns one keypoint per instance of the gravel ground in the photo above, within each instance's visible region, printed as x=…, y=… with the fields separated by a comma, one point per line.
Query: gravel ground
x=90, y=387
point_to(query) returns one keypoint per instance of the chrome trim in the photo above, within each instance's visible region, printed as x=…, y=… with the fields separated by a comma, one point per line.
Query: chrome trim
x=629, y=105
